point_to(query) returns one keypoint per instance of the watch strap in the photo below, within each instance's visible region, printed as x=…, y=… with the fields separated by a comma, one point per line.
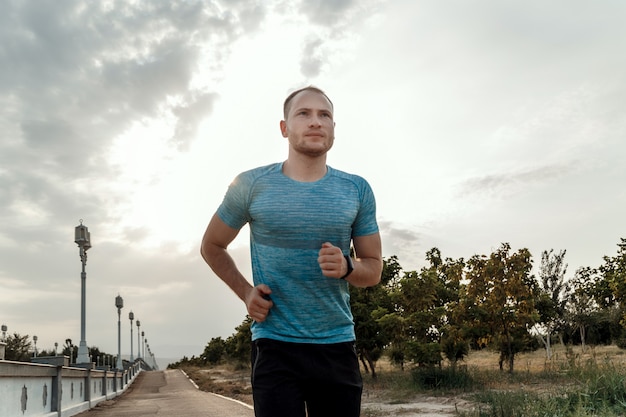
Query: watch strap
x=350, y=266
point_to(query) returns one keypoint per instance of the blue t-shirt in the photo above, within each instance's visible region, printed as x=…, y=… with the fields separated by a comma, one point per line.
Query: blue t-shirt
x=289, y=221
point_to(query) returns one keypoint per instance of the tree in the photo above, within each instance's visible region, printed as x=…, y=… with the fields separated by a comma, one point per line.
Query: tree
x=18, y=348
x=239, y=344
x=214, y=351
x=553, y=293
x=423, y=313
x=614, y=273
x=582, y=304
x=368, y=306
x=420, y=319
x=454, y=339
x=500, y=299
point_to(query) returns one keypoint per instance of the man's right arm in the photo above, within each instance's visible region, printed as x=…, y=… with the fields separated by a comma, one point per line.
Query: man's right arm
x=215, y=241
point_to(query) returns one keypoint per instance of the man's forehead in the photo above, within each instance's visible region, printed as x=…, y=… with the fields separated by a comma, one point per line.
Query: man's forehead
x=311, y=99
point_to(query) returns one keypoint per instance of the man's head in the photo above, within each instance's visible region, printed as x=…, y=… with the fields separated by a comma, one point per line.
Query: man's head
x=289, y=99
x=309, y=124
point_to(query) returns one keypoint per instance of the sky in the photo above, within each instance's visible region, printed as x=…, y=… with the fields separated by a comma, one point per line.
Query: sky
x=476, y=123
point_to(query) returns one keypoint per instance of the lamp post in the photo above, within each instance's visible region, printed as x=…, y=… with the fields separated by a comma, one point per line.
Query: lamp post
x=131, y=316
x=35, y=341
x=4, y=332
x=143, y=355
x=82, y=238
x=138, y=340
x=119, y=303
x=56, y=345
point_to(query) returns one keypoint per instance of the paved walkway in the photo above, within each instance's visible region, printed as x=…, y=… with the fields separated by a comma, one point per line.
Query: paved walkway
x=168, y=393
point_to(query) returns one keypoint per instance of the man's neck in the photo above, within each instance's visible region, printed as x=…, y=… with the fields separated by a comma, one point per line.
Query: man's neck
x=305, y=169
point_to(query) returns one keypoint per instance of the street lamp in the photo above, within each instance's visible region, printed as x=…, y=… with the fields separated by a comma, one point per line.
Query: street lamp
x=138, y=340
x=131, y=316
x=82, y=238
x=35, y=340
x=143, y=355
x=119, y=303
x=56, y=345
x=4, y=332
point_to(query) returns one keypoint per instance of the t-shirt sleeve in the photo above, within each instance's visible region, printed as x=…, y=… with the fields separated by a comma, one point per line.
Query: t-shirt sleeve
x=365, y=222
x=234, y=208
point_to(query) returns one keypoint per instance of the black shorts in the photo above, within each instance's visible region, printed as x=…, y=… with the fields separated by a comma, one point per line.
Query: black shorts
x=289, y=377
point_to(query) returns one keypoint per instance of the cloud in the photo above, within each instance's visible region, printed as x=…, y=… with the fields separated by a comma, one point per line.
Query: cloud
x=507, y=184
x=77, y=75
x=312, y=59
x=332, y=20
x=189, y=116
x=401, y=240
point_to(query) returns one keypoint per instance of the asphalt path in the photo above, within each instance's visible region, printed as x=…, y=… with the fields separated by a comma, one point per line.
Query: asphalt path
x=168, y=393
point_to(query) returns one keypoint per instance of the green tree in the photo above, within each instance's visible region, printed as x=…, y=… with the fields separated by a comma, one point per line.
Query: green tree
x=214, y=351
x=421, y=320
x=500, y=300
x=614, y=273
x=18, y=348
x=553, y=293
x=238, y=345
x=423, y=313
x=368, y=305
x=454, y=334
x=582, y=306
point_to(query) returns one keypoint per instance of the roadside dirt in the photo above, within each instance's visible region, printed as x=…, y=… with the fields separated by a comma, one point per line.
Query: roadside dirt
x=377, y=401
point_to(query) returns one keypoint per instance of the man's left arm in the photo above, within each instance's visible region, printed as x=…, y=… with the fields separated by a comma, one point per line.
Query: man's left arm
x=368, y=265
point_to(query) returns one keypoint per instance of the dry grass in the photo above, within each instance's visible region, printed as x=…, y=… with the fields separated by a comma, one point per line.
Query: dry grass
x=536, y=361
x=225, y=380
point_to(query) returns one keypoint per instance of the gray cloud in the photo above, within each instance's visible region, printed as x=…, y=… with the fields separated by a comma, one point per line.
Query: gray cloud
x=333, y=19
x=507, y=184
x=330, y=12
x=403, y=241
x=312, y=58
x=77, y=74
x=190, y=115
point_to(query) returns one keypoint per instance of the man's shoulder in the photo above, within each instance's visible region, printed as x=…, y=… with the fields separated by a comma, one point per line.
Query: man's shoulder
x=254, y=174
x=357, y=179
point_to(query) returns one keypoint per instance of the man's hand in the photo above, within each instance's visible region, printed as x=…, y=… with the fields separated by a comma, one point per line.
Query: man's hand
x=258, y=302
x=331, y=261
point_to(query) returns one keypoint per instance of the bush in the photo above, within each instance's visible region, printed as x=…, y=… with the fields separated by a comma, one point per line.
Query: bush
x=434, y=377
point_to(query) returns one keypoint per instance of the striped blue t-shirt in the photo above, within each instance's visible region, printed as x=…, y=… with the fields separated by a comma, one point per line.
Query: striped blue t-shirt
x=289, y=221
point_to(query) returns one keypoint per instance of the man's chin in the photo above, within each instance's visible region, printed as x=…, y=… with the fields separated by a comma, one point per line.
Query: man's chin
x=314, y=151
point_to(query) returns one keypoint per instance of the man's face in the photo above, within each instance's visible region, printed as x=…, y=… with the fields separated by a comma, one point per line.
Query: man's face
x=309, y=127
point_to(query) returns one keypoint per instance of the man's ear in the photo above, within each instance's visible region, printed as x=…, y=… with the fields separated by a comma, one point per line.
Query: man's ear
x=283, y=128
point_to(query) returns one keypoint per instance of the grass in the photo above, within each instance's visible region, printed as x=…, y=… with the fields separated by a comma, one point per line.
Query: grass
x=571, y=384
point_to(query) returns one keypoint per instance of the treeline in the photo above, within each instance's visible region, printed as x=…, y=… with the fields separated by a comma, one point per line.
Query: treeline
x=20, y=348
x=491, y=301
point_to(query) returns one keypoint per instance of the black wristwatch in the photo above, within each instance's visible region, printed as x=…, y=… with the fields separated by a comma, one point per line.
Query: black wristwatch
x=350, y=266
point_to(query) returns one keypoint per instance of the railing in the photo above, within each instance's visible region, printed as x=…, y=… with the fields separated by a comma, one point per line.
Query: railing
x=38, y=389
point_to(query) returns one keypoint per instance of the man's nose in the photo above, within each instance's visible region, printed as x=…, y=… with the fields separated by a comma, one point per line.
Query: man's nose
x=315, y=121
